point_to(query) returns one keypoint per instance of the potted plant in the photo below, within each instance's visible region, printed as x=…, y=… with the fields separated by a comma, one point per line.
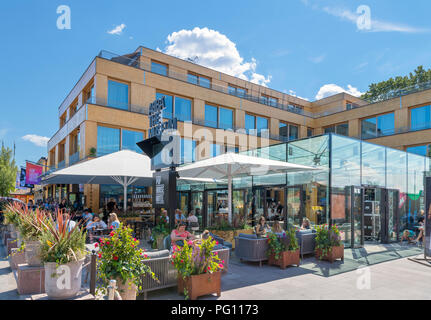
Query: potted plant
x=62, y=253
x=199, y=268
x=227, y=232
x=283, y=251
x=92, y=153
x=328, y=243
x=159, y=232
x=120, y=259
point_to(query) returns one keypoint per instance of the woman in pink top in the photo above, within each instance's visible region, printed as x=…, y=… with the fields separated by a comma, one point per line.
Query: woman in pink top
x=180, y=234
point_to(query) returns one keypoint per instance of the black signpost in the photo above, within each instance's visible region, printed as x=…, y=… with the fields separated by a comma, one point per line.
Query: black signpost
x=165, y=177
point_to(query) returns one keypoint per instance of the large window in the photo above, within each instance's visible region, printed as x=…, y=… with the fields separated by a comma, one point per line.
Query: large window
x=342, y=129
x=289, y=131
x=236, y=91
x=199, y=80
x=218, y=117
x=182, y=108
x=130, y=138
x=420, y=118
x=378, y=126
x=159, y=68
x=108, y=140
x=188, y=150
x=269, y=100
x=118, y=95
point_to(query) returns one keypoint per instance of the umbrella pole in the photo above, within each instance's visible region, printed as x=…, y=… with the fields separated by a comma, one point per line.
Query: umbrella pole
x=125, y=195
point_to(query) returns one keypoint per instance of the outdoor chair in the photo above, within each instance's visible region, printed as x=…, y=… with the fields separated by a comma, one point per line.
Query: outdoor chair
x=224, y=255
x=163, y=269
x=306, y=241
x=249, y=247
x=221, y=241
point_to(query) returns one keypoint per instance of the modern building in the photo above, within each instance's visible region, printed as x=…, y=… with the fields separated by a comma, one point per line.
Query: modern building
x=107, y=110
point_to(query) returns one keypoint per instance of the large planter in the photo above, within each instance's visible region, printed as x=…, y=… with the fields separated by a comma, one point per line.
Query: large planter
x=333, y=254
x=127, y=290
x=286, y=258
x=200, y=285
x=64, y=281
x=32, y=253
x=230, y=235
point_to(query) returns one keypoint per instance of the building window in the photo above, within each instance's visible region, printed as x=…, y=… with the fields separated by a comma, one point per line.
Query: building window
x=341, y=129
x=250, y=123
x=199, y=80
x=424, y=150
x=236, y=91
x=159, y=68
x=269, y=100
x=108, y=140
x=218, y=117
x=130, y=138
x=309, y=132
x=378, y=126
x=420, y=118
x=350, y=106
x=182, y=108
x=118, y=95
x=289, y=131
x=188, y=151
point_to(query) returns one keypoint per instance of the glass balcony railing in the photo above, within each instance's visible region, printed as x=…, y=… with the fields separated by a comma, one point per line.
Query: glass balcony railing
x=74, y=158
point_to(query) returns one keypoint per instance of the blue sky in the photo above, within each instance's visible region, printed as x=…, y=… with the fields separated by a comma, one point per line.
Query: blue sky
x=298, y=45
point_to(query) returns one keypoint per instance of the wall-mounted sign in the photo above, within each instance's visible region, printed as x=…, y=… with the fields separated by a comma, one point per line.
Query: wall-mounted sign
x=157, y=125
x=33, y=173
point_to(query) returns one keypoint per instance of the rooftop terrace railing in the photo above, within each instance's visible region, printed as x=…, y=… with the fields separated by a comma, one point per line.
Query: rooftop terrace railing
x=254, y=97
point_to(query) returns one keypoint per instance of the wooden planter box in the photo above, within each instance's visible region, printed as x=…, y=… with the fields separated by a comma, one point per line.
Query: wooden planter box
x=334, y=254
x=200, y=285
x=286, y=258
x=231, y=234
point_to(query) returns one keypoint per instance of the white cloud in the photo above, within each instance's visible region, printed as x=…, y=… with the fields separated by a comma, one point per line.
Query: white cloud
x=118, y=29
x=318, y=59
x=331, y=89
x=214, y=50
x=36, y=140
x=3, y=133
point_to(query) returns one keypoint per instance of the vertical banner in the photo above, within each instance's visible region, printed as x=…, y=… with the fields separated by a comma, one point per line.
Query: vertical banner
x=427, y=242
x=33, y=173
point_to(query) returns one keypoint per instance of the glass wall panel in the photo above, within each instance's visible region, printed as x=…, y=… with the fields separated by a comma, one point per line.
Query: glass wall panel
x=415, y=190
x=118, y=95
x=183, y=109
x=368, y=128
x=373, y=165
x=129, y=140
x=108, y=140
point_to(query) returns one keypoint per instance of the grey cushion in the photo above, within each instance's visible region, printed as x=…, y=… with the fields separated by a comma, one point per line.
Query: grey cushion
x=247, y=236
x=305, y=231
x=158, y=254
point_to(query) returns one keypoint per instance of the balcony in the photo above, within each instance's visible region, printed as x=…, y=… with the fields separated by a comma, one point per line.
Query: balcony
x=74, y=158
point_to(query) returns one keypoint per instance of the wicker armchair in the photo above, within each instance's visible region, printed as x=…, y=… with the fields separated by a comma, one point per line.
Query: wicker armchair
x=250, y=248
x=164, y=271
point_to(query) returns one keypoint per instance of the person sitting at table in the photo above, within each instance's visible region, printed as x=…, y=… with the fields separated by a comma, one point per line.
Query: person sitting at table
x=271, y=213
x=409, y=236
x=305, y=224
x=113, y=221
x=261, y=228
x=165, y=214
x=276, y=228
x=180, y=234
x=193, y=222
x=179, y=217
x=420, y=236
x=97, y=223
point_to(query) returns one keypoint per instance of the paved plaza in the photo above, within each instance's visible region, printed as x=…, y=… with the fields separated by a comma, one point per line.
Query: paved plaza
x=374, y=272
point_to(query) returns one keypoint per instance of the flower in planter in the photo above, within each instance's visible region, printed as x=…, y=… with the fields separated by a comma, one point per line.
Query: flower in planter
x=122, y=259
x=327, y=238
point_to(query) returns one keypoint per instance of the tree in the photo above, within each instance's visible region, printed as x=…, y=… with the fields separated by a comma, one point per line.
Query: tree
x=394, y=86
x=8, y=171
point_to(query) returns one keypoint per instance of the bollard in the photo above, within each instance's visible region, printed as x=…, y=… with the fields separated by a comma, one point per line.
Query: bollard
x=93, y=268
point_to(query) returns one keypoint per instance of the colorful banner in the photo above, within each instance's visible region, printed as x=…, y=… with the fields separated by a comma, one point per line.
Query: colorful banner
x=18, y=181
x=33, y=173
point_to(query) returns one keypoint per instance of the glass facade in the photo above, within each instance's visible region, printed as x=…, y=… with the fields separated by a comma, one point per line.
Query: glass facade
x=371, y=192
x=118, y=95
x=183, y=109
x=130, y=138
x=159, y=68
x=218, y=117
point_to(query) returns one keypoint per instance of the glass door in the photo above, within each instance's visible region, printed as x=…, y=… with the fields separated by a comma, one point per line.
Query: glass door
x=372, y=214
x=294, y=206
x=389, y=215
x=238, y=208
x=355, y=214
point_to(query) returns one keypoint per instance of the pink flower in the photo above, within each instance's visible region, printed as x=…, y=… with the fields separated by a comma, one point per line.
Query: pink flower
x=209, y=268
x=220, y=265
x=96, y=245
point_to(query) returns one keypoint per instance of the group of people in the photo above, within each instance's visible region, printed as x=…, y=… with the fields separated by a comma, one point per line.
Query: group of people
x=275, y=211
x=413, y=237
x=262, y=228
x=191, y=221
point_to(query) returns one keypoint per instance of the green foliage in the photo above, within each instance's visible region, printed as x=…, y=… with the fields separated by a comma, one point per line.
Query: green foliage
x=11, y=216
x=196, y=258
x=92, y=152
x=8, y=170
x=379, y=91
x=59, y=243
x=327, y=238
x=278, y=244
x=121, y=258
x=224, y=225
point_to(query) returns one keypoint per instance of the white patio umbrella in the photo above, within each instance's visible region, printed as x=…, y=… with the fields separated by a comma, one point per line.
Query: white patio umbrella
x=230, y=165
x=124, y=167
